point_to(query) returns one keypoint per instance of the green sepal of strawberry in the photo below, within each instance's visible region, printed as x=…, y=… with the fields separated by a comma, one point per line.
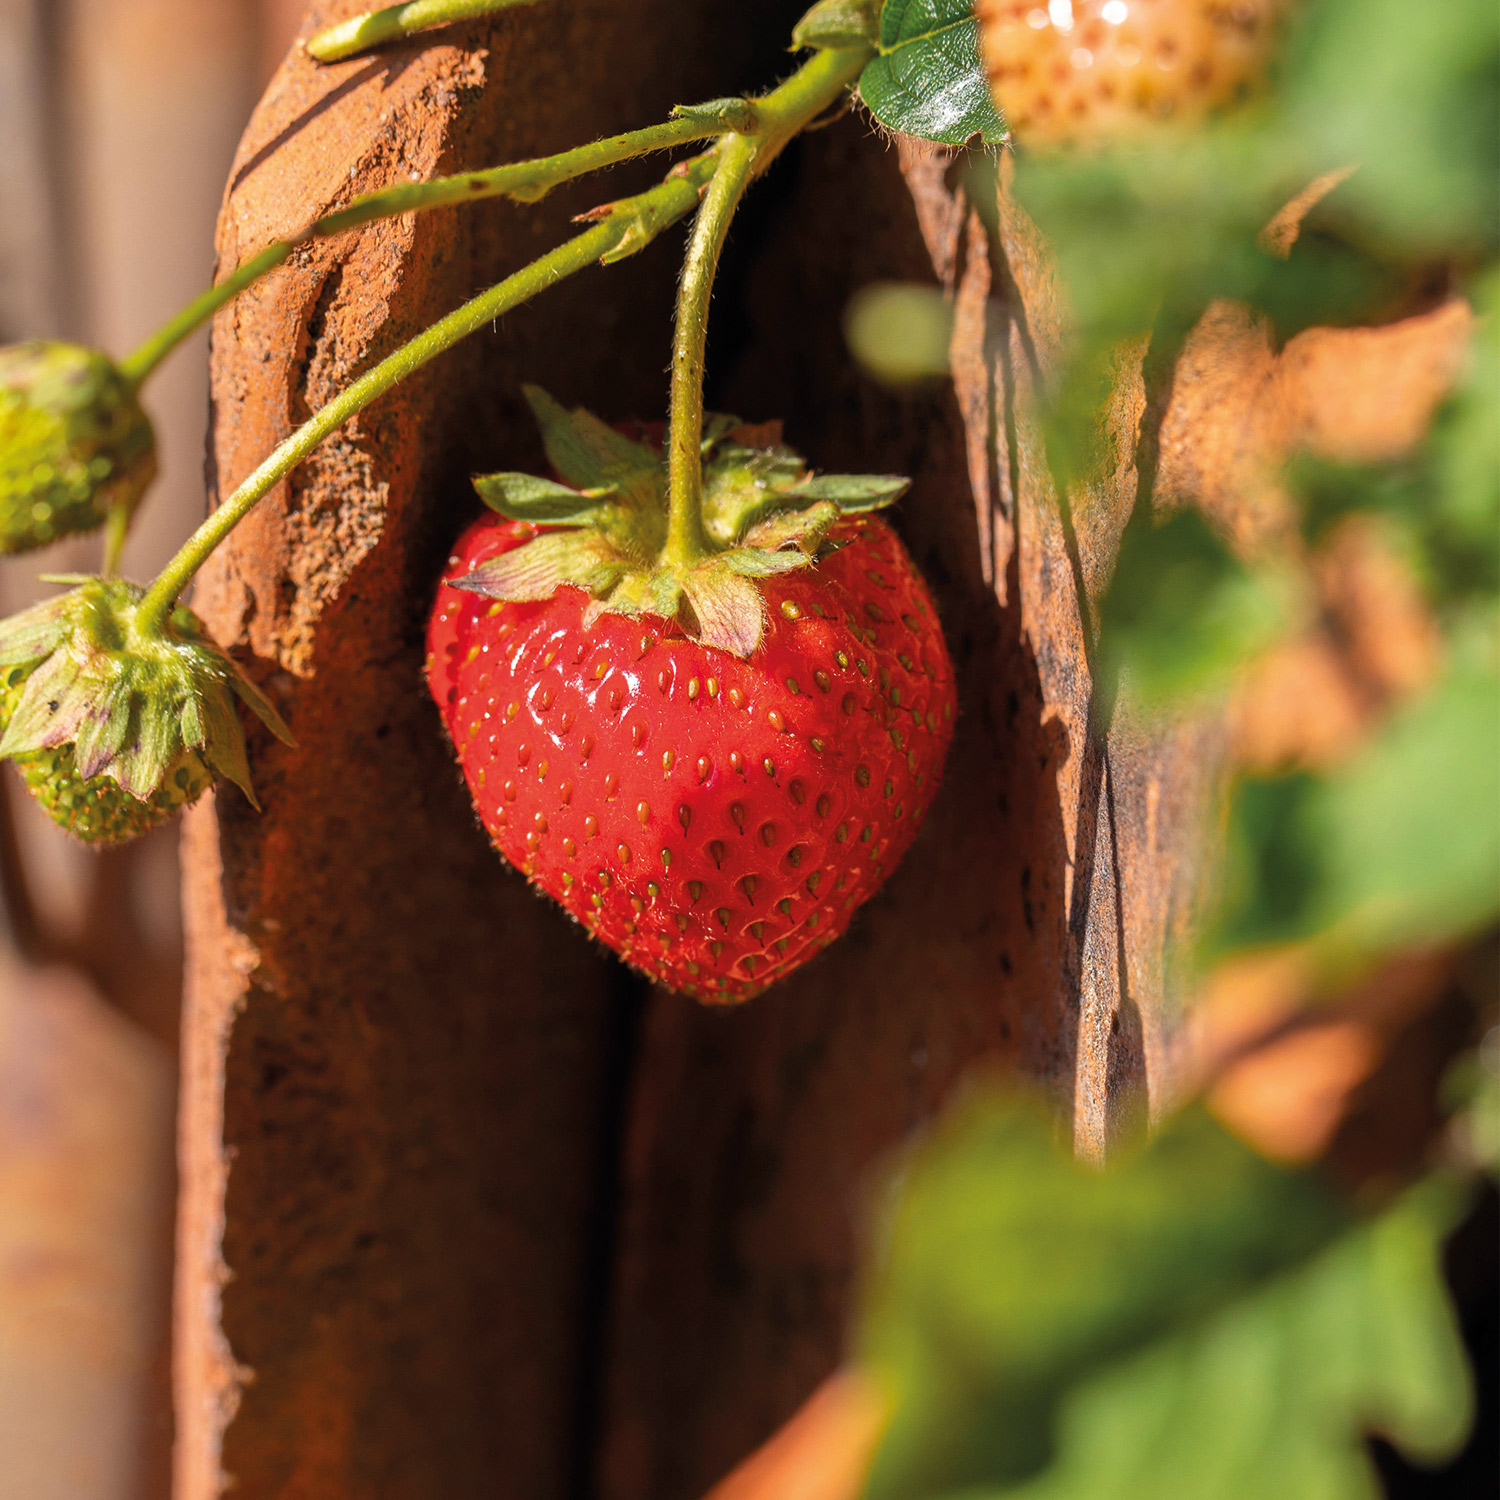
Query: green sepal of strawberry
x=764, y=513
x=88, y=695
x=74, y=443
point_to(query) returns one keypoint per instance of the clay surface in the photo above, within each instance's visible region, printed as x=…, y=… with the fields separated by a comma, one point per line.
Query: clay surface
x=398, y=1061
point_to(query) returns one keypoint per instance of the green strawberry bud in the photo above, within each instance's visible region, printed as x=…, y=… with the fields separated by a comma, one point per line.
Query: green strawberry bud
x=74, y=443
x=115, y=729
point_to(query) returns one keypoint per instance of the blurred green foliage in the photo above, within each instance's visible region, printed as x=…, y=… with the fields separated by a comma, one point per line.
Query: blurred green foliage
x=1398, y=847
x=1192, y=1321
x=1010, y=1271
x=1182, y=611
x=899, y=331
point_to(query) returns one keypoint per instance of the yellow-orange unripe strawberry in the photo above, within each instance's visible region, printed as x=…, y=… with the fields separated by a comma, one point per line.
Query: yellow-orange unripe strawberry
x=1076, y=72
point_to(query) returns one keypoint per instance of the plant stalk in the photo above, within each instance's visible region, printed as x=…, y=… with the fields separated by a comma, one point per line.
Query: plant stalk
x=526, y=181
x=116, y=531
x=742, y=157
x=657, y=208
x=686, y=542
x=359, y=34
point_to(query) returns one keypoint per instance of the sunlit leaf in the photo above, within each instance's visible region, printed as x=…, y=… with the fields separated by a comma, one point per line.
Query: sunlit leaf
x=928, y=79
x=854, y=493
x=1182, y=612
x=585, y=451
x=1010, y=1271
x=1400, y=846
x=1411, y=93
x=1189, y=1324
x=1274, y=1395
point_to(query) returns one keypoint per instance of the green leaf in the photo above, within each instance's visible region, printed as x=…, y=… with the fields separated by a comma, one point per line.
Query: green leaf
x=1400, y=846
x=853, y=493
x=587, y=453
x=537, y=569
x=1412, y=824
x=101, y=736
x=928, y=79
x=1182, y=612
x=837, y=23
x=1274, y=1395
x=1010, y=1271
x=256, y=701
x=1191, y=1323
x=525, y=497
x=50, y=707
x=1413, y=95
x=21, y=643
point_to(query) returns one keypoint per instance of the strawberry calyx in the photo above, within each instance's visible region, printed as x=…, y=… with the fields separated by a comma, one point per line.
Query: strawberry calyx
x=604, y=529
x=78, y=671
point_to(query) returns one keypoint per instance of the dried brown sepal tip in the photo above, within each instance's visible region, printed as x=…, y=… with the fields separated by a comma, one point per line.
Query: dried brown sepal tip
x=602, y=530
x=115, y=729
x=74, y=443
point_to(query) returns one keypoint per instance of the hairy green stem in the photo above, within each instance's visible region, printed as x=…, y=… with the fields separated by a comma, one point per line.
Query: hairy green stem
x=374, y=27
x=116, y=530
x=633, y=220
x=526, y=181
x=742, y=156
x=686, y=542
x=137, y=365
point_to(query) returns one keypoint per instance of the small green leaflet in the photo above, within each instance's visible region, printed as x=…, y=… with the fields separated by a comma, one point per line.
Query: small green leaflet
x=1010, y=1272
x=928, y=79
x=525, y=497
x=1275, y=1394
x=1192, y=1323
x=1182, y=613
x=1399, y=845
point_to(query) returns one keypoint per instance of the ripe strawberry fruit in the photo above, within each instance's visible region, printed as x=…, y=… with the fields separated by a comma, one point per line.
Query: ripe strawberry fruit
x=1079, y=71
x=713, y=817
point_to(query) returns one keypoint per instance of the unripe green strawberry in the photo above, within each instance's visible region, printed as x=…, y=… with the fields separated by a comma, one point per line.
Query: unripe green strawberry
x=98, y=810
x=74, y=443
x=714, y=810
x=113, y=728
x=1081, y=71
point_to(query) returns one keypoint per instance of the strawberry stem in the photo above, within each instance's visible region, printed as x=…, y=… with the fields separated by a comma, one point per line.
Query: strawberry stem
x=743, y=155
x=116, y=530
x=645, y=215
x=686, y=542
x=526, y=181
x=360, y=33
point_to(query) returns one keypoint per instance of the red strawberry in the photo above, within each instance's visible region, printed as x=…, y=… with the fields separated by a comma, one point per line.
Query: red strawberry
x=714, y=820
